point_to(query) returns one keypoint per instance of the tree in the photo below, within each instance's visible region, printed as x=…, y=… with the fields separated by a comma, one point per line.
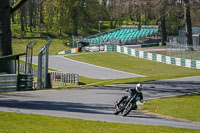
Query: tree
x=5, y=28
x=195, y=13
x=22, y=19
x=49, y=14
x=163, y=22
x=30, y=14
x=188, y=23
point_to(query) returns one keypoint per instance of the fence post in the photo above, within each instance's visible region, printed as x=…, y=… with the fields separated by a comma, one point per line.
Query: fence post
x=47, y=64
x=39, y=80
x=43, y=75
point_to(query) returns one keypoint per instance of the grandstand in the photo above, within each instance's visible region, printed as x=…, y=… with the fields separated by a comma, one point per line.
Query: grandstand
x=122, y=35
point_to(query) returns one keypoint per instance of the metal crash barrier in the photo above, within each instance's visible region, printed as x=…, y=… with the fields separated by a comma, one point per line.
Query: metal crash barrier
x=8, y=82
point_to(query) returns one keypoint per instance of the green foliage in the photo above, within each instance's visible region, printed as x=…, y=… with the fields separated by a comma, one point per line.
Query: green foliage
x=173, y=24
x=22, y=123
x=67, y=16
x=49, y=14
x=186, y=107
x=81, y=17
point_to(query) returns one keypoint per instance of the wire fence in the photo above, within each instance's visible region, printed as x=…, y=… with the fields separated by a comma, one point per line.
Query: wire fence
x=29, y=54
x=183, y=51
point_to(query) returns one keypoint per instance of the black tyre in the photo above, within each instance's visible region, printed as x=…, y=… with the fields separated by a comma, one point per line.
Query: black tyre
x=127, y=109
x=116, y=112
x=119, y=108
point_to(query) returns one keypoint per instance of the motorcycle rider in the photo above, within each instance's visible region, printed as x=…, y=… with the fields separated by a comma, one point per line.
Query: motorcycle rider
x=138, y=91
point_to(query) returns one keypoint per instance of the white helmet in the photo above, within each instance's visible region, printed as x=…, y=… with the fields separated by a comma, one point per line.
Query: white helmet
x=139, y=87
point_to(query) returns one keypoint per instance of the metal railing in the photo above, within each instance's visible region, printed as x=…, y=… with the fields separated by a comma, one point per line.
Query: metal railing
x=65, y=78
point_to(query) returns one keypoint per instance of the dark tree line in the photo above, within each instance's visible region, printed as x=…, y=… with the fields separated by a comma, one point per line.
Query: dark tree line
x=75, y=17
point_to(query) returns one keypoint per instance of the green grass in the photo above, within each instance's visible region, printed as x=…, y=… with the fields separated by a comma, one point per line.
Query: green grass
x=88, y=81
x=185, y=107
x=57, y=45
x=152, y=70
x=16, y=32
x=28, y=123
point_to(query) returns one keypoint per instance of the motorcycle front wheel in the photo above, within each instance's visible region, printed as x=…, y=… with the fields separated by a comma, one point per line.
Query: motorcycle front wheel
x=127, y=109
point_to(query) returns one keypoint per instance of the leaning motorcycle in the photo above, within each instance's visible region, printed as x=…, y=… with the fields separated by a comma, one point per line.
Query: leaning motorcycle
x=126, y=105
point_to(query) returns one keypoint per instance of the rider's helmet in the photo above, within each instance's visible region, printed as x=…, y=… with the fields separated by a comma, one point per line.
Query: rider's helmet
x=139, y=87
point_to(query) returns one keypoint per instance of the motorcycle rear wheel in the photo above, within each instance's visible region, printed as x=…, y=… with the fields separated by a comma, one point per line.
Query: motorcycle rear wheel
x=116, y=112
x=119, y=108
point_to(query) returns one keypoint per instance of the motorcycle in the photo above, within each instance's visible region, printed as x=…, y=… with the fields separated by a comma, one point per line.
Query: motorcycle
x=127, y=104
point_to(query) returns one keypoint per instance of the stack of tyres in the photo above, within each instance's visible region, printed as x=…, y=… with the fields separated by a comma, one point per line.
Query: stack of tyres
x=25, y=82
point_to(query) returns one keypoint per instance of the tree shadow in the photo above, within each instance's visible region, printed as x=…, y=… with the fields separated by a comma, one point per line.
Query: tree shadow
x=57, y=106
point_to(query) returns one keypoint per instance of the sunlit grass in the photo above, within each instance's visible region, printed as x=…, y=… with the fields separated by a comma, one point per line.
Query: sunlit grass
x=29, y=123
x=131, y=64
x=186, y=107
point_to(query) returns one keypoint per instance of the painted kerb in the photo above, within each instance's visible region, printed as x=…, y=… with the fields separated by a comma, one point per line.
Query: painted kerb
x=157, y=57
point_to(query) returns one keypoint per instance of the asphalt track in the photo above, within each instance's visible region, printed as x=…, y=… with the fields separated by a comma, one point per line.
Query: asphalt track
x=84, y=69
x=96, y=103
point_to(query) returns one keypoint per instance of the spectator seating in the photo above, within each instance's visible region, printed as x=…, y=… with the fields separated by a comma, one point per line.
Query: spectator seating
x=123, y=35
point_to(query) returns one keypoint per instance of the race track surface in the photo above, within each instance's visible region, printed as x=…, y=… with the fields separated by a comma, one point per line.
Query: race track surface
x=96, y=103
x=84, y=69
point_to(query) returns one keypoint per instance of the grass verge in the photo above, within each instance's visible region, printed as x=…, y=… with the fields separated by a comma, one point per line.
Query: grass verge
x=152, y=70
x=184, y=107
x=18, y=123
x=131, y=64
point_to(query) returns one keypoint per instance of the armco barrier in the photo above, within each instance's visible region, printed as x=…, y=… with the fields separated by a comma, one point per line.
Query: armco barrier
x=155, y=57
x=8, y=82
